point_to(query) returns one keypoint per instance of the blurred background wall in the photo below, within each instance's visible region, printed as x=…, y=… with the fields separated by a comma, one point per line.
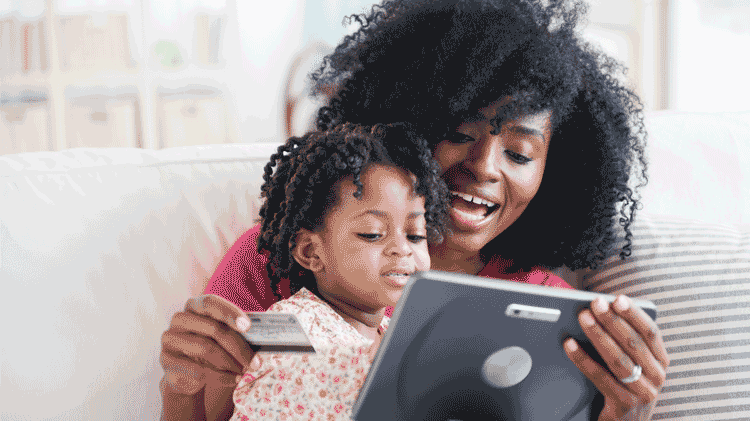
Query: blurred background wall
x=161, y=73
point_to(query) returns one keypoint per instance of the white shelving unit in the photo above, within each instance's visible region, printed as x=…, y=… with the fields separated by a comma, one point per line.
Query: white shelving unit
x=187, y=72
x=73, y=77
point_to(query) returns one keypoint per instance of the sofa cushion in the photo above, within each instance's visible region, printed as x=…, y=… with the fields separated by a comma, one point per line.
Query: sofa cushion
x=98, y=249
x=699, y=166
x=698, y=274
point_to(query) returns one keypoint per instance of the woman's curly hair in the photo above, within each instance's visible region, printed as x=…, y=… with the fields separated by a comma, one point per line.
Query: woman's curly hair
x=300, y=191
x=436, y=63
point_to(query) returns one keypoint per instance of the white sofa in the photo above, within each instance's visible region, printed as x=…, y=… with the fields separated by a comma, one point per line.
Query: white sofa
x=99, y=247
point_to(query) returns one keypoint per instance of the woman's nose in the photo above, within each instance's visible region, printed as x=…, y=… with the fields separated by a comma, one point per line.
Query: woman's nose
x=483, y=159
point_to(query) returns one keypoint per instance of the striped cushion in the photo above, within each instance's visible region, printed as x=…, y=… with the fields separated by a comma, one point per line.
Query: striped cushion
x=698, y=275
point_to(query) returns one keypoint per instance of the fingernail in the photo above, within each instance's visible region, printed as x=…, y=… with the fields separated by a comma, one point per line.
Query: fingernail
x=587, y=319
x=255, y=364
x=571, y=345
x=243, y=324
x=621, y=303
x=600, y=306
x=237, y=379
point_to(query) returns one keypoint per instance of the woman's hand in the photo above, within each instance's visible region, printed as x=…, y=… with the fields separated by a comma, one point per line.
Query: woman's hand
x=625, y=336
x=202, y=354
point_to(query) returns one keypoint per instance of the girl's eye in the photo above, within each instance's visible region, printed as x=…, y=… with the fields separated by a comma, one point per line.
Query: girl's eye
x=416, y=238
x=456, y=137
x=518, y=158
x=370, y=237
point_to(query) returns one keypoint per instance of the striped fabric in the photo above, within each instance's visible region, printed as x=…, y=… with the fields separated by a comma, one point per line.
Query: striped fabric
x=698, y=275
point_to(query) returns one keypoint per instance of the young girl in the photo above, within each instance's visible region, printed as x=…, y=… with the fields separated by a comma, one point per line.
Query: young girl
x=346, y=219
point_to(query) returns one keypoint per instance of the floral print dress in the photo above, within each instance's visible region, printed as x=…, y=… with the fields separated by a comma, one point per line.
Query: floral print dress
x=308, y=386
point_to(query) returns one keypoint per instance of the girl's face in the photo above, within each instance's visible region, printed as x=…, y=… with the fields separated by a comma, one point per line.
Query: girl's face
x=368, y=247
x=492, y=178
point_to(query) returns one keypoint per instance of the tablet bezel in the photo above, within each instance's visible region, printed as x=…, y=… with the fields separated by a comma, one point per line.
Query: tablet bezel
x=583, y=299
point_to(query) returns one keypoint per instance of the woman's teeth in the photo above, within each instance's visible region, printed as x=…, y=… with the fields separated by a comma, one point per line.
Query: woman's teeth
x=470, y=216
x=473, y=199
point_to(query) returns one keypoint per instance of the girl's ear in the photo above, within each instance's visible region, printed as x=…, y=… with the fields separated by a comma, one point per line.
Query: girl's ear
x=306, y=251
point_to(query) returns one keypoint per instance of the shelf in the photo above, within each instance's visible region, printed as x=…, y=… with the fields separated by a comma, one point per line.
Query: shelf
x=96, y=92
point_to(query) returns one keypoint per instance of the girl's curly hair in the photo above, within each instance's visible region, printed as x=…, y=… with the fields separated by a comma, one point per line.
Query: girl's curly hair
x=300, y=191
x=438, y=62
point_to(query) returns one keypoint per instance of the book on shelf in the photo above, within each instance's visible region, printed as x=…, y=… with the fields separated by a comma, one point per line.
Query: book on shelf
x=23, y=46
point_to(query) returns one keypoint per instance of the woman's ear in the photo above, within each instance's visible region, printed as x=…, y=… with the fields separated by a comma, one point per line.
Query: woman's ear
x=306, y=251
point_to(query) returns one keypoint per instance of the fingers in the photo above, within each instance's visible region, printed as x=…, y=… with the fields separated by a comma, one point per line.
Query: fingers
x=182, y=375
x=619, y=362
x=624, y=400
x=210, y=340
x=630, y=341
x=215, y=309
x=185, y=377
x=625, y=336
x=219, y=309
x=644, y=325
x=202, y=346
x=200, y=350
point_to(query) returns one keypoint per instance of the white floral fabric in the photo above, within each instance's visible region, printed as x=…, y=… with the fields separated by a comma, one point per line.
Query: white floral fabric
x=310, y=386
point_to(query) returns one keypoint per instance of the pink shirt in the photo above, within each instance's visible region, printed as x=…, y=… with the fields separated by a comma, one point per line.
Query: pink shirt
x=241, y=276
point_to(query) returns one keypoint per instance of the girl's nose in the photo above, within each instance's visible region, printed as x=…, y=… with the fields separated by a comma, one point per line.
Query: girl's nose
x=483, y=159
x=399, y=246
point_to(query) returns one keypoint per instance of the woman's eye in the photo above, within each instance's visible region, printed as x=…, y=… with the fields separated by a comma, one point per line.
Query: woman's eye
x=456, y=137
x=518, y=158
x=416, y=238
x=370, y=237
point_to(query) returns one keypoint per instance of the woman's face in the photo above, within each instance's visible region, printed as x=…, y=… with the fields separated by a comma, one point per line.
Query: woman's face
x=492, y=178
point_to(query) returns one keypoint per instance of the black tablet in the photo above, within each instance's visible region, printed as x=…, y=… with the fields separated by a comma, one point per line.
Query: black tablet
x=467, y=348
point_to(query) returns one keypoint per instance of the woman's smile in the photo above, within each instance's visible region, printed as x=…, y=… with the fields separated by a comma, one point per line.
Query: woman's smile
x=469, y=211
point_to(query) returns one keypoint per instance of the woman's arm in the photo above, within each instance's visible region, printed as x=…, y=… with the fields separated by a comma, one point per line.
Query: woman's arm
x=177, y=406
x=625, y=336
x=202, y=354
x=202, y=351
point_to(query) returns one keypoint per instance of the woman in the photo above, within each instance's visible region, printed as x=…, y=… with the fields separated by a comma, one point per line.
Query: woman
x=519, y=109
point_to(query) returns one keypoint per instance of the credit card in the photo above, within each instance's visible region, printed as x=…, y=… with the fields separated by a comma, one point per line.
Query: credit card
x=276, y=331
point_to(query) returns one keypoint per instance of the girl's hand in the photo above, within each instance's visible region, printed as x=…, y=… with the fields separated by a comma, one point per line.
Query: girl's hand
x=625, y=336
x=203, y=354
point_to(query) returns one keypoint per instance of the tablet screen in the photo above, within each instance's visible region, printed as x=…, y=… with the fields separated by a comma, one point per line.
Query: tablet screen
x=463, y=347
